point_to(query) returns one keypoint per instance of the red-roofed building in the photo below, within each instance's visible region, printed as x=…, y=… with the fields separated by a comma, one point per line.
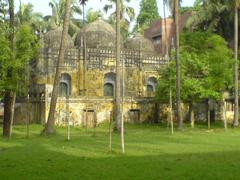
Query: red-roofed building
x=156, y=32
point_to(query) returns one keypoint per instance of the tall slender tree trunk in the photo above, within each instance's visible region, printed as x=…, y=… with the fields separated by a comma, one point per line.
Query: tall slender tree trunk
x=235, y=120
x=165, y=29
x=166, y=49
x=119, y=73
x=118, y=110
x=49, y=127
x=178, y=75
x=208, y=113
x=9, y=104
x=191, y=114
x=10, y=95
x=224, y=103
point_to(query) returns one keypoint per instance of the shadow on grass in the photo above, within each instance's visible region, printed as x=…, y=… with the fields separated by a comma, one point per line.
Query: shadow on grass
x=151, y=154
x=42, y=162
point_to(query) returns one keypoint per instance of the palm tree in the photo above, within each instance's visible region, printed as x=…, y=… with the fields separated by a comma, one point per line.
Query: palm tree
x=58, y=13
x=93, y=15
x=118, y=99
x=178, y=75
x=171, y=4
x=127, y=15
x=36, y=20
x=235, y=120
x=49, y=127
x=214, y=16
x=174, y=7
x=167, y=56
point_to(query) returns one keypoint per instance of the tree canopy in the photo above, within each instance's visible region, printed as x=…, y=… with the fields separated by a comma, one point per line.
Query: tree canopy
x=26, y=48
x=148, y=13
x=206, y=68
x=127, y=15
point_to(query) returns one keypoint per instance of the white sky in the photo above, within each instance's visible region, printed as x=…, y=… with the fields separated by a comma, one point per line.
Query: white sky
x=43, y=7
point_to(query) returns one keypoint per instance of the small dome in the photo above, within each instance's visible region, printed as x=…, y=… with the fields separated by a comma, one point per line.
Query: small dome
x=138, y=42
x=52, y=39
x=97, y=34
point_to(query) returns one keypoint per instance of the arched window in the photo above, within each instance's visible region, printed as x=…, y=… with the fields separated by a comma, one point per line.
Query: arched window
x=109, y=84
x=108, y=89
x=150, y=88
x=63, y=89
x=151, y=85
x=65, y=85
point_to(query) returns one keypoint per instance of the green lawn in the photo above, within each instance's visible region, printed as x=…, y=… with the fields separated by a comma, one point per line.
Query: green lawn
x=151, y=153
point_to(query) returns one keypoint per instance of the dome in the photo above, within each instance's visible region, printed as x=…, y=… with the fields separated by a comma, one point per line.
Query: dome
x=97, y=34
x=138, y=42
x=52, y=39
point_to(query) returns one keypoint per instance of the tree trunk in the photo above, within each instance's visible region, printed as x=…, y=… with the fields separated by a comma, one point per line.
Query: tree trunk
x=49, y=127
x=235, y=120
x=208, y=114
x=118, y=111
x=10, y=95
x=224, y=114
x=167, y=56
x=191, y=114
x=165, y=31
x=9, y=104
x=28, y=117
x=110, y=131
x=68, y=118
x=119, y=73
x=178, y=75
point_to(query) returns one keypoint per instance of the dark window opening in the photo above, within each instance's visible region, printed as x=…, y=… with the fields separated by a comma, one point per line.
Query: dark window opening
x=134, y=115
x=157, y=39
x=151, y=86
x=65, y=85
x=108, y=89
x=109, y=84
x=63, y=89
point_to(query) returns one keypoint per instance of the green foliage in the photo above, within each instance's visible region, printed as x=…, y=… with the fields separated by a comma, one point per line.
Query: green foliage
x=214, y=16
x=27, y=46
x=206, y=68
x=58, y=12
x=3, y=10
x=187, y=9
x=16, y=63
x=127, y=15
x=148, y=13
x=5, y=56
x=152, y=153
x=26, y=14
x=93, y=15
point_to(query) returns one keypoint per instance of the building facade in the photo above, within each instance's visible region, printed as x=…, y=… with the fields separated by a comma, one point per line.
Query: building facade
x=159, y=37
x=88, y=75
x=87, y=83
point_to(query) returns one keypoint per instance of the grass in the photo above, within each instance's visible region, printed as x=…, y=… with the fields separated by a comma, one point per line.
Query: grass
x=151, y=153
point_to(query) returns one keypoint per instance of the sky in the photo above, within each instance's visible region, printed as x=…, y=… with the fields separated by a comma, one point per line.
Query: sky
x=43, y=7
